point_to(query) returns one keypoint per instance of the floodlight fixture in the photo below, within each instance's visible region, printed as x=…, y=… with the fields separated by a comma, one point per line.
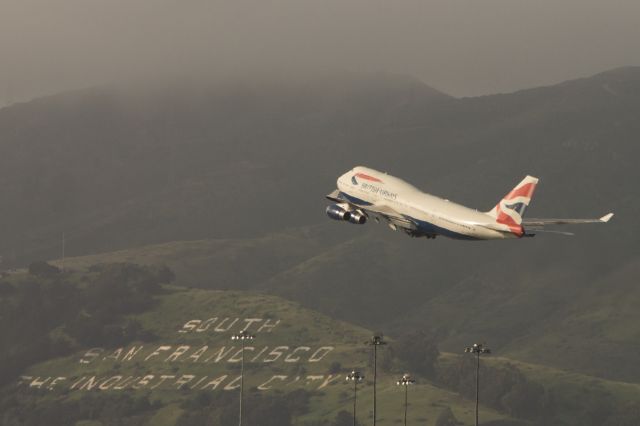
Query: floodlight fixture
x=376, y=340
x=243, y=335
x=405, y=380
x=355, y=376
x=478, y=348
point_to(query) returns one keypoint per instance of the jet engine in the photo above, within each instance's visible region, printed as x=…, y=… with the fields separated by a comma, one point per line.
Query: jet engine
x=357, y=217
x=337, y=212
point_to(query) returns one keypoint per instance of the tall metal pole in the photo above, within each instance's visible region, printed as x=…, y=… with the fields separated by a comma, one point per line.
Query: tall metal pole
x=63, y=243
x=375, y=341
x=242, y=336
x=477, y=349
x=356, y=377
x=355, y=397
x=405, y=381
x=375, y=375
x=406, y=389
x=477, y=385
x=241, y=382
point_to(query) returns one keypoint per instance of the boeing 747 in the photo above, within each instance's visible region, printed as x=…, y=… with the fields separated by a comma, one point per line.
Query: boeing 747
x=365, y=193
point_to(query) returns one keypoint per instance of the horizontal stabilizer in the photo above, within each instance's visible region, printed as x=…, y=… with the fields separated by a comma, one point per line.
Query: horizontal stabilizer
x=569, y=234
x=543, y=222
x=606, y=217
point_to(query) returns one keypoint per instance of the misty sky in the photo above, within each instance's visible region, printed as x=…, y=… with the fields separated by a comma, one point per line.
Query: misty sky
x=462, y=47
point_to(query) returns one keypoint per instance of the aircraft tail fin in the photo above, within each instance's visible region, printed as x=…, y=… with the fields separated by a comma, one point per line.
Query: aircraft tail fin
x=510, y=210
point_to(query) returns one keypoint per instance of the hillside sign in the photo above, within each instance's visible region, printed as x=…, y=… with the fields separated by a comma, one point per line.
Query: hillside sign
x=185, y=355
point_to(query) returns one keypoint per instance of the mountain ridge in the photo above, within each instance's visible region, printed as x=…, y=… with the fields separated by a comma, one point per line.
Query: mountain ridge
x=107, y=155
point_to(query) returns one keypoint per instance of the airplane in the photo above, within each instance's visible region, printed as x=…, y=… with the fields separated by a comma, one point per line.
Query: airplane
x=365, y=193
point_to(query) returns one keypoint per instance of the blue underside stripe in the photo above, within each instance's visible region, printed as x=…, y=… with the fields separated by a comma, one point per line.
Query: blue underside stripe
x=353, y=200
x=429, y=228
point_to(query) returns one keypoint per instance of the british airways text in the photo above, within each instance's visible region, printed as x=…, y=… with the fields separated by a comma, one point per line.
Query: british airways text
x=377, y=190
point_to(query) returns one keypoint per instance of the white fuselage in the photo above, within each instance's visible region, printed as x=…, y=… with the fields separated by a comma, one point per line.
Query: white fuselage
x=430, y=214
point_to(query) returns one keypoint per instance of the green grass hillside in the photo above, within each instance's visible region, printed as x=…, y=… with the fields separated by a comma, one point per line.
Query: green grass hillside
x=192, y=325
x=167, y=358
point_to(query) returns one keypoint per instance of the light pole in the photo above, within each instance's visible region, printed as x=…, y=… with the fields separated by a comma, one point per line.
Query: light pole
x=242, y=336
x=477, y=349
x=356, y=377
x=375, y=342
x=405, y=381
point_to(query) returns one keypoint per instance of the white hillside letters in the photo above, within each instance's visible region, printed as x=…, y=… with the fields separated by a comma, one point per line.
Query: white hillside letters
x=119, y=382
x=202, y=357
x=227, y=324
x=185, y=354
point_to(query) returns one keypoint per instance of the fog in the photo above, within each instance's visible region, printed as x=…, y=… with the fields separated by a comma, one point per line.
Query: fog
x=464, y=48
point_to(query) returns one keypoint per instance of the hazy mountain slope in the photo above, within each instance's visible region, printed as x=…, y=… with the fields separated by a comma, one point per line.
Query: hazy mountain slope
x=235, y=263
x=115, y=168
x=598, y=328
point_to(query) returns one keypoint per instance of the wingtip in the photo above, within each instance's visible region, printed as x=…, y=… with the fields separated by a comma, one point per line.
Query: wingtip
x=606, y=217
x=531, y=179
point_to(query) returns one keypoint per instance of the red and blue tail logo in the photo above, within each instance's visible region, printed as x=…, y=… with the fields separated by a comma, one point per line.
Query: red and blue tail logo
x=510, y=210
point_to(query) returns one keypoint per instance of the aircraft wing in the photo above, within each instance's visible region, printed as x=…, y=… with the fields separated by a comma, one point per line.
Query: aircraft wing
x=379, y=211
x=543, y=222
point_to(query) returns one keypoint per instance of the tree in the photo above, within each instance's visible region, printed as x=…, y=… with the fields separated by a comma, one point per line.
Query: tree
x=524, y=400
x=446, y=418
x=418, y=352
x=343, y=418
x=165, y=275
x=42, y=269
x=627, y=415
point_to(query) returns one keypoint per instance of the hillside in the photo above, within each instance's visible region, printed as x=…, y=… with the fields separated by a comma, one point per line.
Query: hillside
x=187, y=365
x=173, y=363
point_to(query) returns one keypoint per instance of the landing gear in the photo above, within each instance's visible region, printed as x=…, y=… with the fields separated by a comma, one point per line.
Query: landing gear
x=416, y=234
